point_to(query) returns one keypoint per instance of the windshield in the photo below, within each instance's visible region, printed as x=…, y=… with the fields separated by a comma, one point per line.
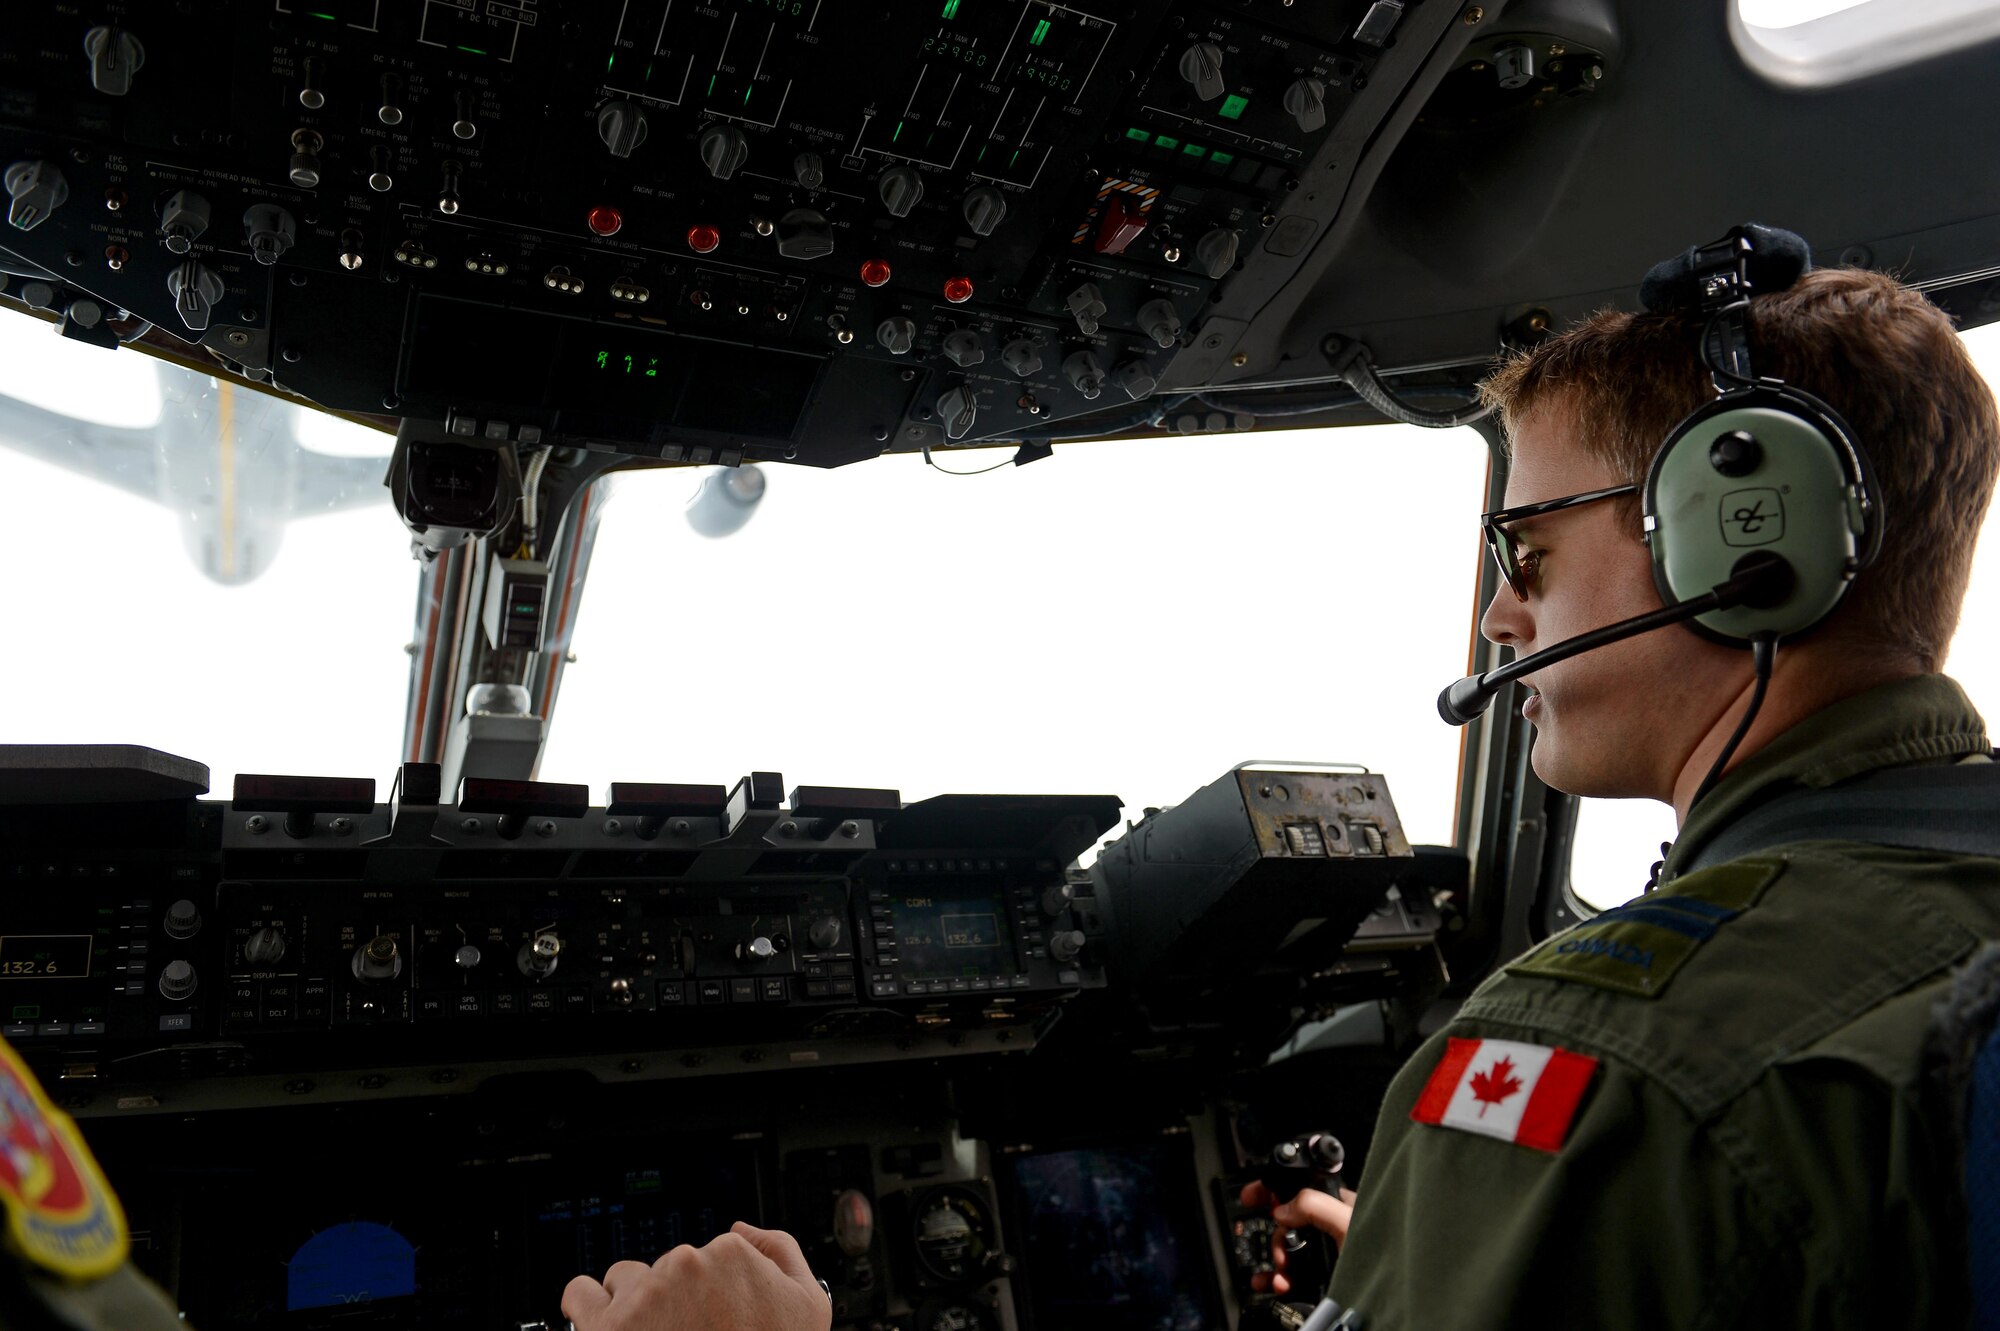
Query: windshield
x=221, y=576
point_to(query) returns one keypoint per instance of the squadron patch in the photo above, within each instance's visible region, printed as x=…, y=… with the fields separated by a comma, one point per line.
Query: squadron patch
x=1637, y=948
x=1522, y=1093
x=61, y=1214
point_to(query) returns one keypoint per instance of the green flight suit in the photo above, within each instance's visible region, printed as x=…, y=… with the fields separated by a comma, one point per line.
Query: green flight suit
x=1757, y=1146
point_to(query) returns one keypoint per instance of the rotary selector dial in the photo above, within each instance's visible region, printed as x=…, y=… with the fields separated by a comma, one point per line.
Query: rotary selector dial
x=265, y=946
x=377, y=961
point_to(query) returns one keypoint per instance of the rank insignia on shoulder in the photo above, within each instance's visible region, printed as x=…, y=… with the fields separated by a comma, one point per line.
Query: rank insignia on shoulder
x=1522, y=1093
x=1636, y=948
x=61, y=1214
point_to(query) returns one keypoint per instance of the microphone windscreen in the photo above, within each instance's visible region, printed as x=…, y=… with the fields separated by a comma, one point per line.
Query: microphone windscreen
x=1777, y=259
x=1466, y=701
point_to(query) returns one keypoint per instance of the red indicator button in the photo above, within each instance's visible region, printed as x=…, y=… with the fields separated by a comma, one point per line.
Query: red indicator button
x=958, y=290
x=874, y=272
x=703, y=238
x=604, y=221
x=1118, y=226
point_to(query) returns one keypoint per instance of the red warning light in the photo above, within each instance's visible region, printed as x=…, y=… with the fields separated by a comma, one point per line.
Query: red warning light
x=958, y=290
x=604, y=220
x=874, y=272
x=702, y=238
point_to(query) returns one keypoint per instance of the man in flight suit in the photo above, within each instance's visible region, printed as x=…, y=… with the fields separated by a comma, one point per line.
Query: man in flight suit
x=1707, y=1109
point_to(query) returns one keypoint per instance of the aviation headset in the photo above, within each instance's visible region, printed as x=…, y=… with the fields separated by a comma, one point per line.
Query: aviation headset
x=1766, y=469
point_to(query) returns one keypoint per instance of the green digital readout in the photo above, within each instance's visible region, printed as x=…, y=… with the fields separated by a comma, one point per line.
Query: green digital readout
x=1233, y=106
x=624, y=363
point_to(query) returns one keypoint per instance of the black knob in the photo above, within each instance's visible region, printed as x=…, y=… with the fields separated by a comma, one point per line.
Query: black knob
x=377, y=961
x=1736, y=453
x=265, y=947
x=183, y=919
x=177, y=981
x=824, y=934
x=1066, y=945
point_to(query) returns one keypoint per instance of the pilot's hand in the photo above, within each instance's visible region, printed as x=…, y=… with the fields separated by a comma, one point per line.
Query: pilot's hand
x=749, y=1279
x=1311, y=1209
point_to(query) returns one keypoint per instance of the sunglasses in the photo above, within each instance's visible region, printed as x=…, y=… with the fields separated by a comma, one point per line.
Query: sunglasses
x=1514, y=567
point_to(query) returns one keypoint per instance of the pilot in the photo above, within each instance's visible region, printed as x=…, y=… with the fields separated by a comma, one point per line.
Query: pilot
x=63, y=1260
x=1711, y=1107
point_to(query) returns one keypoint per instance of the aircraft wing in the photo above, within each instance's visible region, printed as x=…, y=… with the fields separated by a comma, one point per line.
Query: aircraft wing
x=328, y=483
x=116, y=455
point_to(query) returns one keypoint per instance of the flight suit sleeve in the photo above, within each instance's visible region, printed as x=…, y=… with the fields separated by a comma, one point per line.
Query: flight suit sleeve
x=1791, y=1207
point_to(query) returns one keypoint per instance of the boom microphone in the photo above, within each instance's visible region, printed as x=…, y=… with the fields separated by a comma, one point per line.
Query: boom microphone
x=1760, y=580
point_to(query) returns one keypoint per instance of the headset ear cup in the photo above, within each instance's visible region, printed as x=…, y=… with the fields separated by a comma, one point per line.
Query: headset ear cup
x=1760, y=470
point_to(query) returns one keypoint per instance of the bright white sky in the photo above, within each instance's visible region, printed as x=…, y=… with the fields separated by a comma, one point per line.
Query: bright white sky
x=1127, y=618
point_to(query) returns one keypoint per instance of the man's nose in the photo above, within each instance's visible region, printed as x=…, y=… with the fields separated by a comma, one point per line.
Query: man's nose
x=1506, y=621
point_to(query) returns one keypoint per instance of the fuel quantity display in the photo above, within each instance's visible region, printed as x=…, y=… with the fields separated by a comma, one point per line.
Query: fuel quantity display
x=44, y=956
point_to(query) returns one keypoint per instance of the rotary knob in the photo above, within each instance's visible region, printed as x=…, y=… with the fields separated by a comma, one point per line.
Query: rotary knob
x=195, y=290
x=809, y=171
x=1305, y=100
x=377, y=961
x=757, y=950
x=538, y=956
x=1201, y=66
x=958, y=408
x=897, y=335
x=622, y=126
x=1066, y=945
x=803, y=233
x=824, y=934
x=983, y=209
x=270, y=231
x=1160, y=321
x=1085, y=373
x=1057, y=899
x=1136, y=378
x=961, y=347
x=177, y=981
x=724, y=150
x=466, y=957
x=115, y=56
x=1216, y=251
x=1086, y=306
x=183, y=919
x=34, y=190
x=901, y=189
x=1021, y=357
x=183, y=217
x=265, y=947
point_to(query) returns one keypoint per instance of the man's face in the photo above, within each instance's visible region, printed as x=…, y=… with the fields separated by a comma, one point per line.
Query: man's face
x=1621, y=720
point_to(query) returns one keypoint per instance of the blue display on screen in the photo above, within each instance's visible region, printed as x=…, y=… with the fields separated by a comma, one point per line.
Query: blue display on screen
x=358, y=1262
x=1113, y=1242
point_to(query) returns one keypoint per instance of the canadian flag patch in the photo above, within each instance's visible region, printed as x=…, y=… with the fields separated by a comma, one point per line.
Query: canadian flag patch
x=1521, y=1093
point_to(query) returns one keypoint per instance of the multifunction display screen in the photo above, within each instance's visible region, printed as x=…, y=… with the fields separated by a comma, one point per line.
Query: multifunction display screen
x=944, y=935
x=45, y=956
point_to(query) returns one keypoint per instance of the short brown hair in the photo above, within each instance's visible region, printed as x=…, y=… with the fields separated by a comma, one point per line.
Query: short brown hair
x=1876, y=351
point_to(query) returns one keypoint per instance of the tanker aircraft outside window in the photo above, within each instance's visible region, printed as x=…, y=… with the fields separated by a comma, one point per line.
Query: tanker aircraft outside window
x=1126, y=617
x=1618, y=840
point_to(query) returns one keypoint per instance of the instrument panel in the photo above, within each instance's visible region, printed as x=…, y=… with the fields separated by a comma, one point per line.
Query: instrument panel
x=576, y=222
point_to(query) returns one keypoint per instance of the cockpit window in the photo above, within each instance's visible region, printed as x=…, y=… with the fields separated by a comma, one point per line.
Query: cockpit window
x=199, y=568
x=1130, y=618
x=1618, y=840
x=1819, y=43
